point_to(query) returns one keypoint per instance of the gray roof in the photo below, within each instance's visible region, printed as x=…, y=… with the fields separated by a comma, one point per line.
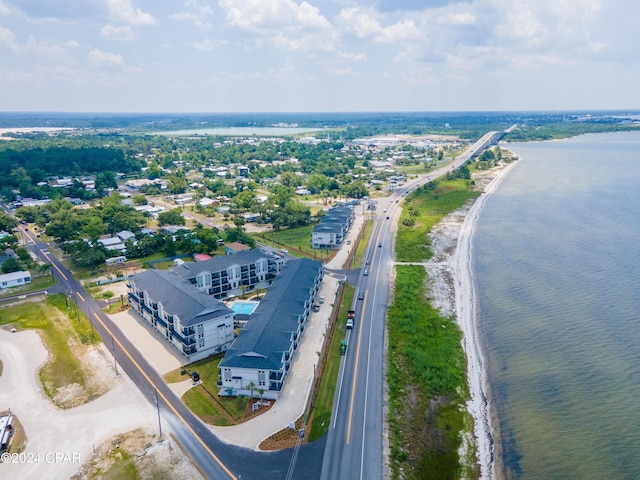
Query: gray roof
x=267, y=335
x=328, y=227
x=219, y=263
x=335, y=219
x=179, y=297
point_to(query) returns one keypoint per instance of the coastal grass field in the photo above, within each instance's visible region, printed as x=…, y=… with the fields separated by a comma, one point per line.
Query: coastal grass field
x=427, y=385
x=65, y=331
x=422, y=210
x=427, y=365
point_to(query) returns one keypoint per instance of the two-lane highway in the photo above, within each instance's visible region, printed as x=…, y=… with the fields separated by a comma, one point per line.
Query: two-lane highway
x=355, y=441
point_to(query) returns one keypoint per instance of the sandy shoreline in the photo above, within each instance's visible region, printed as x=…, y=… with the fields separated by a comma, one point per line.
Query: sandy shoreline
x=453, y=292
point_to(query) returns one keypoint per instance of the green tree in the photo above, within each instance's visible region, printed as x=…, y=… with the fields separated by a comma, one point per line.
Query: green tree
x=7, y=222
x=171, y=217
x=93, y=229
x=11, y=265
x=23, y=254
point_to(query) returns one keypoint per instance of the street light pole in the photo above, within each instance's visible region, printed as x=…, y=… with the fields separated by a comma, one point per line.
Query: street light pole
x=91, y=322
x=113, y=350
x=158, y=407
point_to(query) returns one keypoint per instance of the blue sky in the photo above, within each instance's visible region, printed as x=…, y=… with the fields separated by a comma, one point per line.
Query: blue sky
x=318, y=55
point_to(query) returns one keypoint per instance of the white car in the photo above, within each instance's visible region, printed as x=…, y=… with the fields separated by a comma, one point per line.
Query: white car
x=284, y=250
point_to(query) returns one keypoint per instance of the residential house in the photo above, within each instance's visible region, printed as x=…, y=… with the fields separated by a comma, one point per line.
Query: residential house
x=263, y=352
x=226, y=275
x=193, y=322
x=14, y=279
x=332, y=228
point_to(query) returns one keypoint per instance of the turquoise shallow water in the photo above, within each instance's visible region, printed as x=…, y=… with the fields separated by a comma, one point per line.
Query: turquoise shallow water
x=557, y=269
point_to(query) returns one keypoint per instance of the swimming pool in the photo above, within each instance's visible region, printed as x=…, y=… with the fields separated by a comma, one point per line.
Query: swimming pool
x=243, y=307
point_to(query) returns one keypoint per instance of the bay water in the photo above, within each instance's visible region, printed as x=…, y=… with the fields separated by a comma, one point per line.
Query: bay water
x=557, y=270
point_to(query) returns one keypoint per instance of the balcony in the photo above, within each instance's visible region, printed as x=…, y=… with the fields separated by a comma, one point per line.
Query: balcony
x=189, y=350
x=275, y=386
x=275, y=375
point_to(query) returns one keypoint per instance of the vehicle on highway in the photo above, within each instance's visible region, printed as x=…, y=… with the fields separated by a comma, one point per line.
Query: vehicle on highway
x=387, y=217
x=366, y=272
x=361, y=296
x=343, y=347
x=379, y=245
x=351, y=318
x=367, y=262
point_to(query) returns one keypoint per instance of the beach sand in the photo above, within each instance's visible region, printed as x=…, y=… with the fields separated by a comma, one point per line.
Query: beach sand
x=453, y=292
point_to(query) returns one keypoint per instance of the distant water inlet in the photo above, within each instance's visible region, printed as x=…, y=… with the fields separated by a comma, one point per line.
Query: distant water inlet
x=557, y=269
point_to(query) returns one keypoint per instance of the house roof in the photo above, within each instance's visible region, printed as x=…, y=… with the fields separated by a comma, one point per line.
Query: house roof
x=219, y=263
x=261, y=343
x=179, y=297
x=7, y=277
x=327, y=228
x=237, y=246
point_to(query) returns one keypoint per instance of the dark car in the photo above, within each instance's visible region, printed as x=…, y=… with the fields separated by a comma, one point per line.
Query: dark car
x=380, y=244
x=361, y=296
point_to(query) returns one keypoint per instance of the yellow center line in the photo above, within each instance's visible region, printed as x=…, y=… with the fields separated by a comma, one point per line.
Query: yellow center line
x=177, y=414
x=80, y=296
x=56, y=267
x=355, y=369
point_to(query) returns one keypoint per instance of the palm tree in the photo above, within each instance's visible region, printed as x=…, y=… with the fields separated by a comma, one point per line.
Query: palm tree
x=261, y=392
x=251, y=386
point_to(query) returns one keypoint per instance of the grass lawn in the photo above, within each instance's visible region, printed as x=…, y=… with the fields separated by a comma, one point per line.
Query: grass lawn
x=299, y=237
x=59, y=333
x=329, y=381
x=425, y=209
x=296, y=240
x=358, y=258
x=201, y=405
x=210, y=410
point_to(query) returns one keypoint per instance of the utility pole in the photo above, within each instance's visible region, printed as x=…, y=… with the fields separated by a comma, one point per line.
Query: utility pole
x=91, y=322
x=158, y=407
x=113, y=350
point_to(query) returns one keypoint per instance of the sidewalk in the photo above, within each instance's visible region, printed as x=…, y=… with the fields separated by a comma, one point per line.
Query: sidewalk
x=293, y=398
x=338, y=261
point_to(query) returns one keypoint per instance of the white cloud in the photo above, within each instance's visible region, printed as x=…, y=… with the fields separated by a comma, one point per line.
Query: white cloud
x=41, y=48
x=340, y=72
x=117, y=32
x=7, y=38
x=261, y=16
x=284, y=24
x=111, y=61
x=364, y=24
x=124, y=11
x=196, y=13
x=205, y=45
x=351, y=57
